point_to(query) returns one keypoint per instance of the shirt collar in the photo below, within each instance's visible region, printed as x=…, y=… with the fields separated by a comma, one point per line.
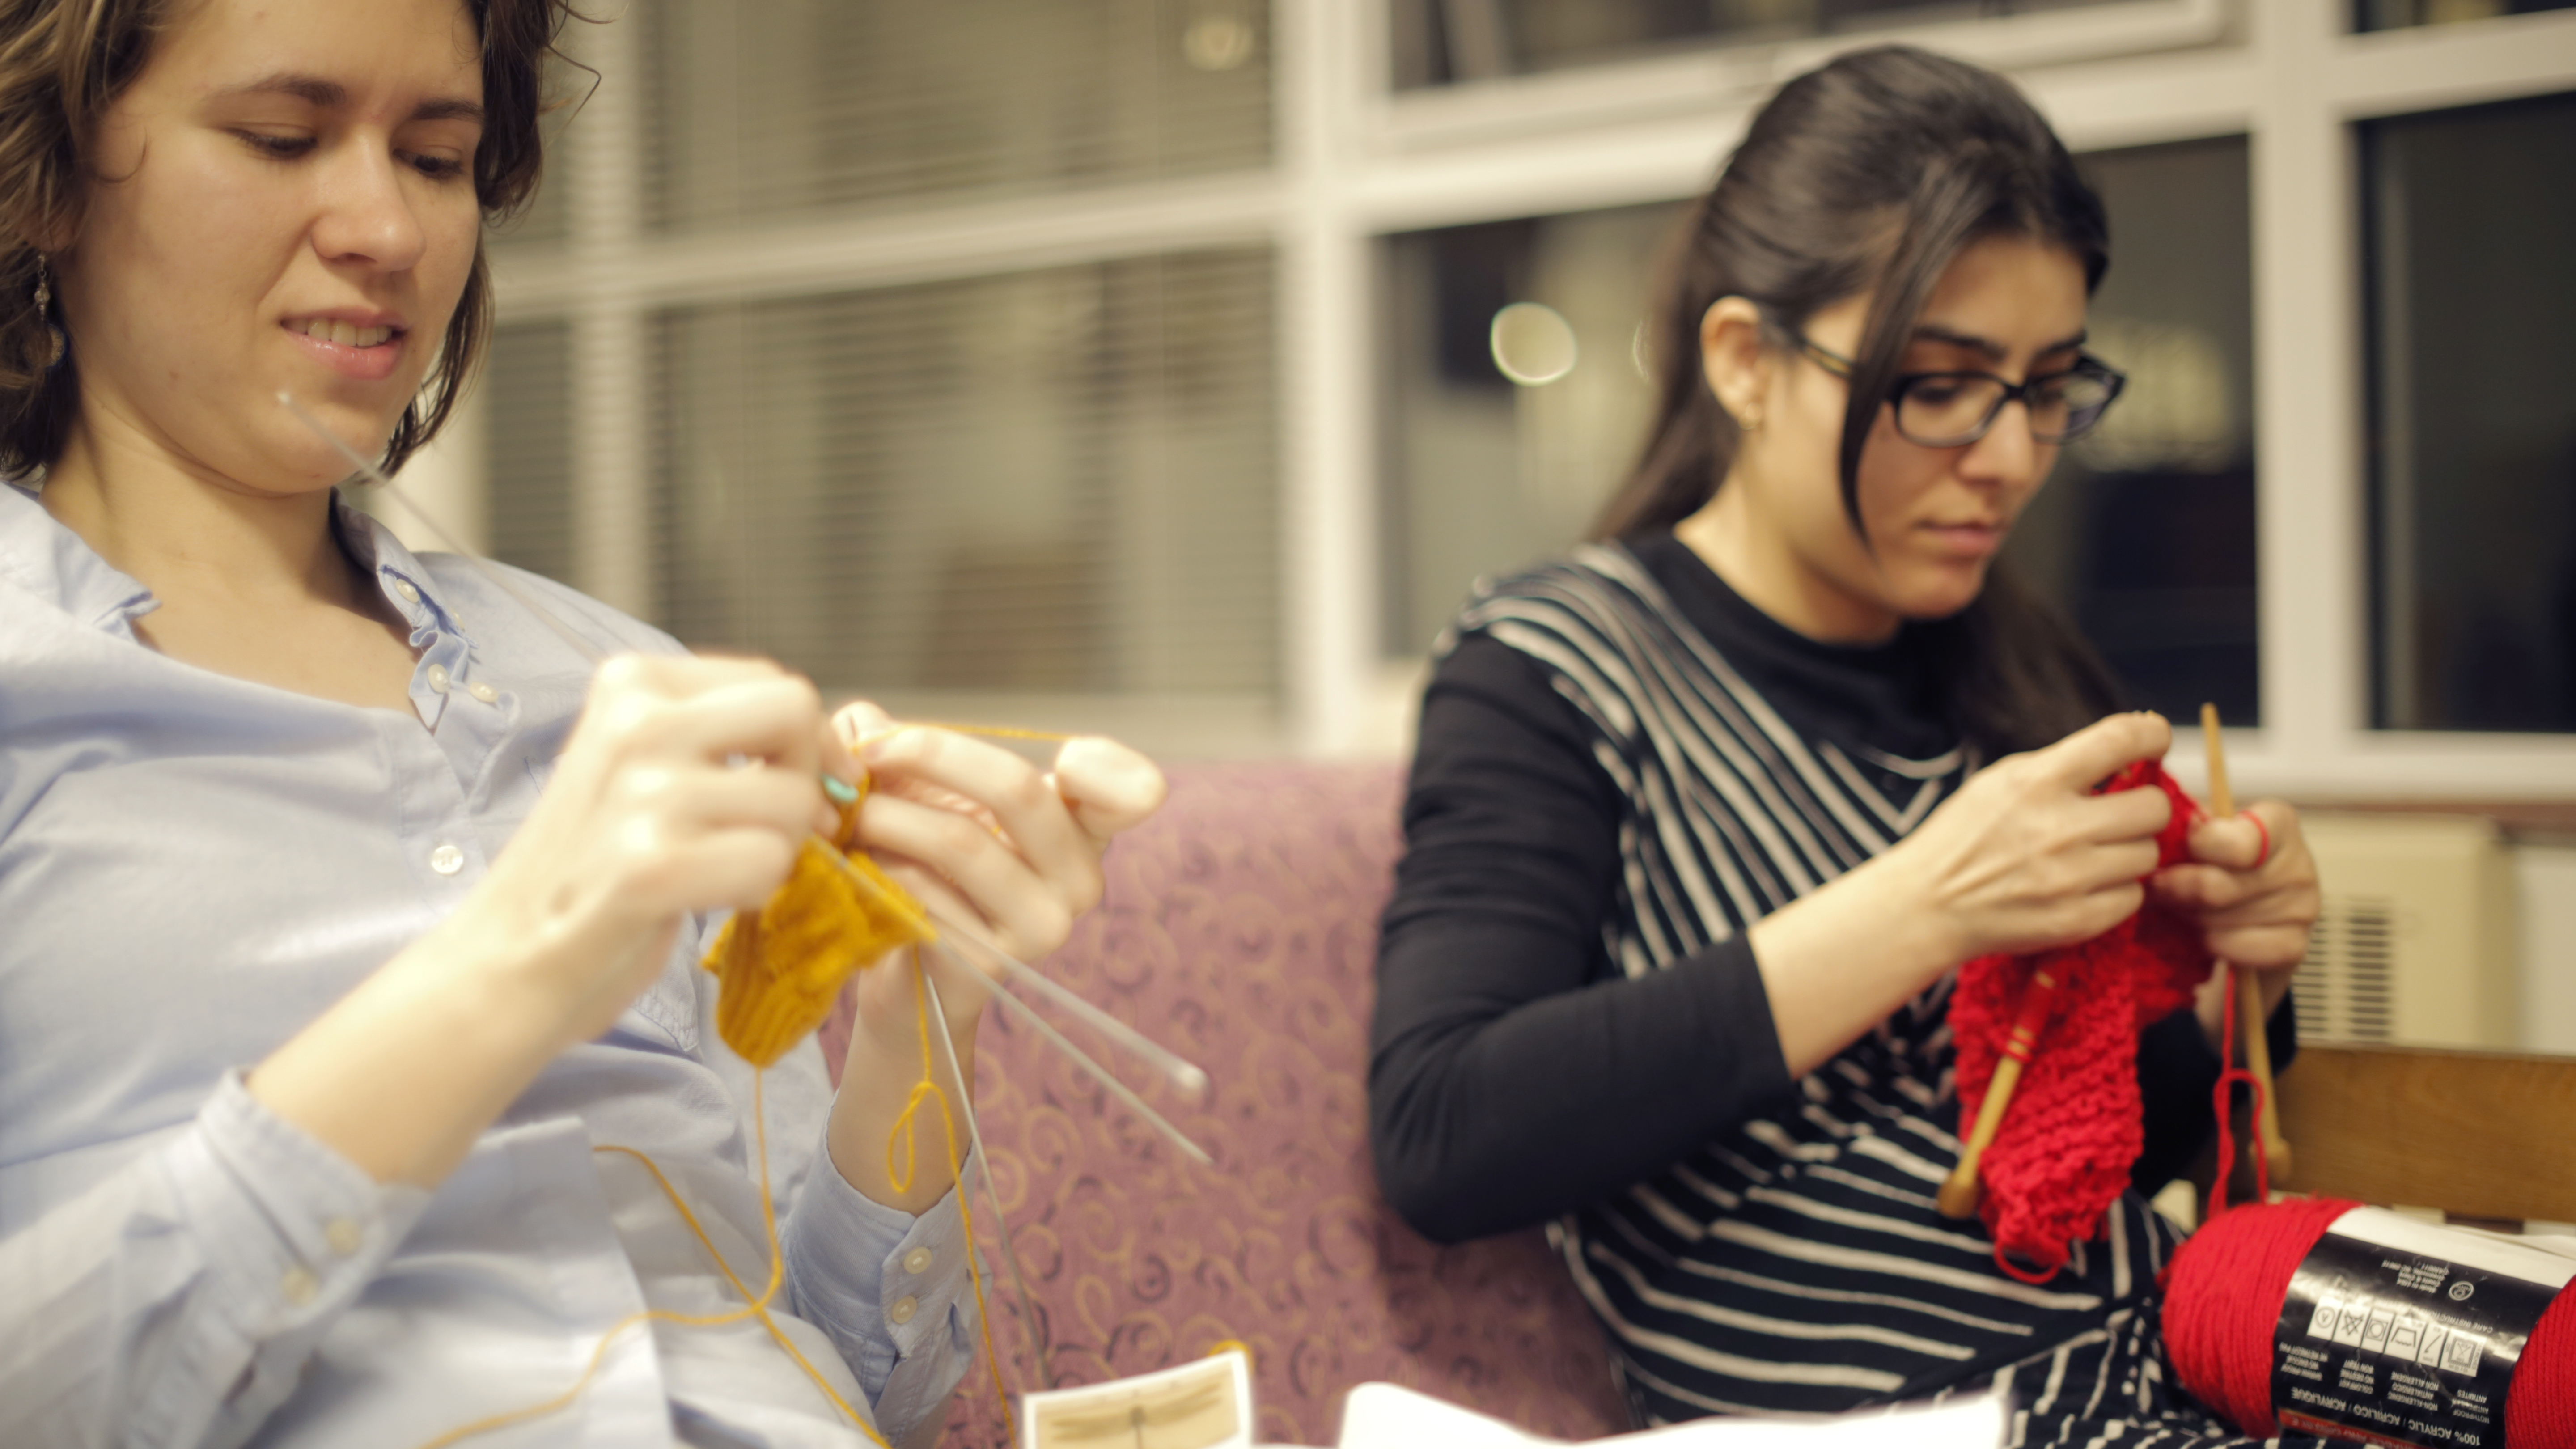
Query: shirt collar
x=56, y=565
x=402, y=576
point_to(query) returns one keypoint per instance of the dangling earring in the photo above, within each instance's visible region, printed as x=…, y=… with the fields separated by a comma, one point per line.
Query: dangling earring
x=57, y=343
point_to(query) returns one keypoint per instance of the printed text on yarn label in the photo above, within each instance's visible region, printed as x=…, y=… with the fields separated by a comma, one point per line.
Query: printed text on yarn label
x=2401, y=1333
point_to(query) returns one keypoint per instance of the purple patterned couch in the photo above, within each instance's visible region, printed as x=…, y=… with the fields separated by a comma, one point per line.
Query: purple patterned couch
x=1240, y=929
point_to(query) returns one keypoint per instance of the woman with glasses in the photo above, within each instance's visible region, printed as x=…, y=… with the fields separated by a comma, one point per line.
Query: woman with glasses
x=1704, y=815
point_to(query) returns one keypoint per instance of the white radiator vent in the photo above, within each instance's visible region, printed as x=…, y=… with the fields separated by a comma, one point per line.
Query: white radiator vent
x=2346, y=990
x=2415, y=942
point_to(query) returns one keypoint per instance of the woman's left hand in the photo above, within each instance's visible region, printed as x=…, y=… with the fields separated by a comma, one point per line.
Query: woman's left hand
x=986, y=837
x=2255, y=906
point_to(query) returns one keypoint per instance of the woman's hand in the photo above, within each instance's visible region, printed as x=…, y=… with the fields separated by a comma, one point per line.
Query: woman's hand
x=2026, y=857
x=2253, y=890
x=984, y=837
x=687, y=785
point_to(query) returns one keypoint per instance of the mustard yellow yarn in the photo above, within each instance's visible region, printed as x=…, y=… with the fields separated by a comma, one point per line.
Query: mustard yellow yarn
x=780, y=968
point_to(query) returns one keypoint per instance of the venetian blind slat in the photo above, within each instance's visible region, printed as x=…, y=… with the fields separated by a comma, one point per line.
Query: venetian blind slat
x=527, y=389
x=1054, y=481
x=785, y=109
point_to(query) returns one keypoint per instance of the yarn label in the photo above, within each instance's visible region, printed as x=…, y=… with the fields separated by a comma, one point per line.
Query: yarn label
x=2403, y=1333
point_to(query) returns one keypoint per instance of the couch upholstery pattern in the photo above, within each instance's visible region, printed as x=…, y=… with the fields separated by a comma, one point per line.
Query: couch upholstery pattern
x=1240, y=929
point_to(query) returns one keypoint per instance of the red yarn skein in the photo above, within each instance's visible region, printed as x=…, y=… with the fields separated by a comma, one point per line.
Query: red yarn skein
x=2075, y=1126
x=2223, y=1296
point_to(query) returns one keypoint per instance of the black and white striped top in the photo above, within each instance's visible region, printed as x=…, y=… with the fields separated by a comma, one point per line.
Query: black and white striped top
x=1624, y=765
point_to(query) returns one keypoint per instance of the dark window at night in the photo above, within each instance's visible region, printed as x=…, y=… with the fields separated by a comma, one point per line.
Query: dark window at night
x=2470, y=224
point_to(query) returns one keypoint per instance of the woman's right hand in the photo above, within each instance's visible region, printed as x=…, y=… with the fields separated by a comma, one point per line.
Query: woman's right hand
x=688, y=785
x=2025, y=857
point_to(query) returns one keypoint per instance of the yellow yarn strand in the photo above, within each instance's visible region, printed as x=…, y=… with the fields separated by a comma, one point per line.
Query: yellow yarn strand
x=929, y=1086
x=756, y=1307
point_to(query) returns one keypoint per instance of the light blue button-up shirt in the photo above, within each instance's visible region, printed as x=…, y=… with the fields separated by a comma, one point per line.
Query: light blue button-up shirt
x=192, y=867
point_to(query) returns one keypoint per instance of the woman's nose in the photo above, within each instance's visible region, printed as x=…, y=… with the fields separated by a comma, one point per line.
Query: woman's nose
x=2007, y=454
x=369, y=215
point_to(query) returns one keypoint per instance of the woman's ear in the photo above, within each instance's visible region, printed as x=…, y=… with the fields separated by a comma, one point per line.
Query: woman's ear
x=1733, y=359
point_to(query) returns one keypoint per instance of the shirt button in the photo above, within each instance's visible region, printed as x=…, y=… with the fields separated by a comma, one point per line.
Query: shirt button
x=438, y=678
x=344, y=1236
x=299, y=1287
x=447, y=860
x=903, y=1310
x=404, y=588
x=917, y=1261
x=483, y=693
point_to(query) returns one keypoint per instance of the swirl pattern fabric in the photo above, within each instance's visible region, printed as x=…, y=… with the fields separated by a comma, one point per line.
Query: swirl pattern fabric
x=1240, y=929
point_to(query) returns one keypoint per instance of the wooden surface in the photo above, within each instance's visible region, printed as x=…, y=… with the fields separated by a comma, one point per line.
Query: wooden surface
x=2476, y=1134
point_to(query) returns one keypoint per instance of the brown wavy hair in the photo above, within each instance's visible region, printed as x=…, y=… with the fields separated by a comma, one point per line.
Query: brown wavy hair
x=63, y=63
x=1870, y=174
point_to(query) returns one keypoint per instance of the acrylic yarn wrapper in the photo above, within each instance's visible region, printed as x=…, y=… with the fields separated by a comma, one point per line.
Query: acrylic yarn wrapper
x=2223, y=1296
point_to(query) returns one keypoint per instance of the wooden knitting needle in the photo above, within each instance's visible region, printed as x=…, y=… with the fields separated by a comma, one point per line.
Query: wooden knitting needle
x=2248, y=989
x=1960, y=1195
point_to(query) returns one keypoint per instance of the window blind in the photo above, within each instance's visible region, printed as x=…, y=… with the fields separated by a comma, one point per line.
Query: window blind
x=526, y=390
x=1053, y=481
x=778, y=110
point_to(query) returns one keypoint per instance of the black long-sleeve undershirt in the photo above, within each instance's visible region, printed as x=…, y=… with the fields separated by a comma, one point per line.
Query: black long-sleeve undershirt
x=1515, y=1075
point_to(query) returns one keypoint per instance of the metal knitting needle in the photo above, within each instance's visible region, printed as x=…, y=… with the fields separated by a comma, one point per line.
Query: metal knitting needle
x=490, y=574
x=1183, y=1074
x=992, y=1196
x=1028, y=1014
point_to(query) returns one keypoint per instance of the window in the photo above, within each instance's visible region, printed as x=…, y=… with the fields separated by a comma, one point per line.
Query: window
x=1480, y=473
x=2399, y=14
x=2470, y=224
x=1438, y=42
x=2145, y=533
x=527, y=391
x=1048, y=482
x=802, y=235
x=787, y=109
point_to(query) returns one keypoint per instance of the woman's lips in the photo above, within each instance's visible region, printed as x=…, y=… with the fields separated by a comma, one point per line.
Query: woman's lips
x=372, y=363
x=1966, y=540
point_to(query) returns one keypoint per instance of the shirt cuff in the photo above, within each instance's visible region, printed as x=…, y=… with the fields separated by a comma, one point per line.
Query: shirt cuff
x=891, y=1289
x=291, y=1233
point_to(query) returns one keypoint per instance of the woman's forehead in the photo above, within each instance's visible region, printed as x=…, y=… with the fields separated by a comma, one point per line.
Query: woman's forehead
x=2010, y=294
x=327, y=52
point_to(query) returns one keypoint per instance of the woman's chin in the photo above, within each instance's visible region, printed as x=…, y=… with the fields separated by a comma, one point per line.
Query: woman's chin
x=1944, y=596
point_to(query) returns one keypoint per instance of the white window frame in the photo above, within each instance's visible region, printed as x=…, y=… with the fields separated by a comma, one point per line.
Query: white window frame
x=1356, y=161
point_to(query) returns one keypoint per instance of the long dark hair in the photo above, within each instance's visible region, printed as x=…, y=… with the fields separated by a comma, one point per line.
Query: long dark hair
x=1869, y=175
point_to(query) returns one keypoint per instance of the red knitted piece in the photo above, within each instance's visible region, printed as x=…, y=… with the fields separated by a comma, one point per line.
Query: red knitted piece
x=2074, y=1127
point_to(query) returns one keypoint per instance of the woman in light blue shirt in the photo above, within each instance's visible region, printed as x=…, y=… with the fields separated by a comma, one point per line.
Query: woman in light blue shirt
x=346, y=908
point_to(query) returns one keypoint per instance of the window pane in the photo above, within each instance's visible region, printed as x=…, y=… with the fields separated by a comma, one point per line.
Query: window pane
x=2469, y=225
x=1480, y=474
x=2399, y=14
x=1438, y=42
x=2145, y=533
x=527, y=391
x=772, y=110
x=1056, y=481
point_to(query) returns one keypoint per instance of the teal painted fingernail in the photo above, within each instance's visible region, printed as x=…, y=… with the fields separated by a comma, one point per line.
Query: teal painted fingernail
x=842, y=794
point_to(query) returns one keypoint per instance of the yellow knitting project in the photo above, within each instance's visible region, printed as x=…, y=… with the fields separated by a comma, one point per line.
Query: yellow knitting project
x=781, y=968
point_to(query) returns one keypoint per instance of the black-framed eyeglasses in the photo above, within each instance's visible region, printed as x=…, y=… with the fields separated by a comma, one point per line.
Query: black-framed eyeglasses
x=1954, y=409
